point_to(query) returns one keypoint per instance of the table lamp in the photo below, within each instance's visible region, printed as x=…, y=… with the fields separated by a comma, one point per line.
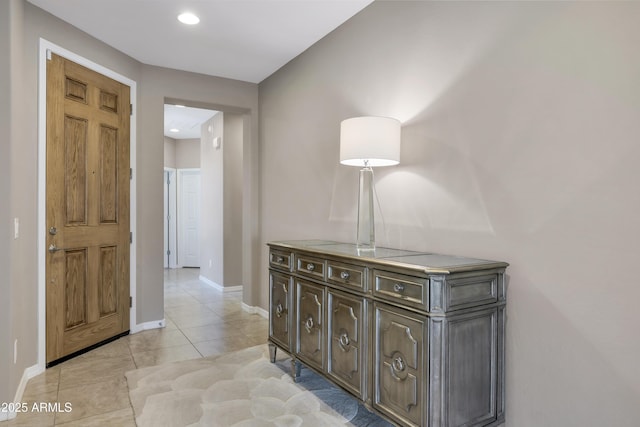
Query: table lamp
x=368, y=142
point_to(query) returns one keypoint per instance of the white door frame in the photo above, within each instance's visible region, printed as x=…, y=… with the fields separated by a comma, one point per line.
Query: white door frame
x=180, y=223
x=170, y=227
x=46, y=48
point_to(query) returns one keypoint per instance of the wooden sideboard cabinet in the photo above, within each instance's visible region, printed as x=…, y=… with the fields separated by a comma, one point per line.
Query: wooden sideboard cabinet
x=418, y=337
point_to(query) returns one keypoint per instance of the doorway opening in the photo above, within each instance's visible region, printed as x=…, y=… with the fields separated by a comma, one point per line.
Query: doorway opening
x=181, y=180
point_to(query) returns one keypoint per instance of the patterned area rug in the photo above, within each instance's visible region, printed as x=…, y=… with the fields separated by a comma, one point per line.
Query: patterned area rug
x=241, y=389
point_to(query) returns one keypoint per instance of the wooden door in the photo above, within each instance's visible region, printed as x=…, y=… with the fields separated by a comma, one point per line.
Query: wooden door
x=87, y=263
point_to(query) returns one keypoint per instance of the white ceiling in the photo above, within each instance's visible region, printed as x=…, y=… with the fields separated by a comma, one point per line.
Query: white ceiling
x=238, y=39
x=186, y=119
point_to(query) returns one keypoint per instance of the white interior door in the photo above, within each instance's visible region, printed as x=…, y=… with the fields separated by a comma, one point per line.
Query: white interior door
x=170, y=217
x=189, y=217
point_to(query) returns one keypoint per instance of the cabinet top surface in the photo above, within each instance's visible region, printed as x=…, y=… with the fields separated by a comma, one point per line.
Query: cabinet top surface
x=421, y=261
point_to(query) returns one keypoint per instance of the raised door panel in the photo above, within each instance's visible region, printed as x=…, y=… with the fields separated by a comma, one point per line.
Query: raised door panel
x=75, y=288
x=400, y=370
x=310, y=322
x=345, y=322
x=108, y=183
x=75, y=170
x=279, y=309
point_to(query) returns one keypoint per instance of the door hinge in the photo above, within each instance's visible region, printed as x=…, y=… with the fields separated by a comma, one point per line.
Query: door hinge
x=131, y=109
x=130, y=302
x=168, y=252
x=131, y=237
x=48, y=54
x=130, y=174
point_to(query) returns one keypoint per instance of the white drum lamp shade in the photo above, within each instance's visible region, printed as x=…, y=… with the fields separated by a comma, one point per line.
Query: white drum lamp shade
x=370, y=141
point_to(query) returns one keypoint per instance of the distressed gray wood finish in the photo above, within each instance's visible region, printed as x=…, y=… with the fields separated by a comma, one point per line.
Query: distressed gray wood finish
x=418, y=337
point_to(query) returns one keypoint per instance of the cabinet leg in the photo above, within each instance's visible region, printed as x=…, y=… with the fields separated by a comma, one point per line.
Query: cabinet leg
x=272, y=352
x=295, y=370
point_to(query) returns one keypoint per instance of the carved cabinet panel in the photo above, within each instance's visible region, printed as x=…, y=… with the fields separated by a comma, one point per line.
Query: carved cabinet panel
x=279, y=309
x=310, y=323
x=400, y=369
x=345, y=320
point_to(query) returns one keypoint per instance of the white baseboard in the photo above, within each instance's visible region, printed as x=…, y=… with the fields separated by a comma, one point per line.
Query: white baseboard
x=154, y=324
x=28, y=373
x=218, y=287
x=255, y=310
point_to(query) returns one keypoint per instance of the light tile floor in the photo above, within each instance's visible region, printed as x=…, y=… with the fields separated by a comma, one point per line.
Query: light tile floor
x=200, y=321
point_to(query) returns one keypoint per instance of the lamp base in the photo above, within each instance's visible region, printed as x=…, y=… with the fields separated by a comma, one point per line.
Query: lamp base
x=365, y=239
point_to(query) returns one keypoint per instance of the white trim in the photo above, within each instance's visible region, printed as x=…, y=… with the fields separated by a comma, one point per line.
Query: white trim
x=46, y=47
x=219, y=287
x=28, y=373
x=173, y=215
x=255, y=310
x=155, y=324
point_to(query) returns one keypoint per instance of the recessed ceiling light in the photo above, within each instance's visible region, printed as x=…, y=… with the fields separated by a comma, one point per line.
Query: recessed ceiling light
x=174, y=130
x=179, y=106
x=188, y=18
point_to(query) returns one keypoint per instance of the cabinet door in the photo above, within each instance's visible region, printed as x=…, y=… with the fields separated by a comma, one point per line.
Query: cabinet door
x=309, y=322
x=279, y=312
x=472, y=371
x=345, y=346
x=400, y=371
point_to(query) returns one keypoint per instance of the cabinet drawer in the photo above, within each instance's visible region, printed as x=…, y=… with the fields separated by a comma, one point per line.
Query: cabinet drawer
x=351, y=276
x=310, y=266
x=401, y=288
x=472, y=291
x=280, y=259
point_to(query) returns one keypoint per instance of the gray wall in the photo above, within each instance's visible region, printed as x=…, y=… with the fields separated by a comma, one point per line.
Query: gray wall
x=162, y=86
x=22, y=26
x=221, y=185
x=169, y=152
x=188, y=153
x=232, y=199
x=211, y=208
x=7, y=46
x=519, y=143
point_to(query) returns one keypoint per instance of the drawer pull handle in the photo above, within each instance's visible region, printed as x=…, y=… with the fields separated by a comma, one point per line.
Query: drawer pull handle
x=279, y=259
x=344, y=275
x=308, y=325
x=279, y=310
x=398, y=364
x=398, y=287
x=344, y=341
x=311, y=267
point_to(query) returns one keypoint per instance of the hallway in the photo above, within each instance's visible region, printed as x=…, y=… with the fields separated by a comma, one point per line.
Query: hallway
x=200, y=321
